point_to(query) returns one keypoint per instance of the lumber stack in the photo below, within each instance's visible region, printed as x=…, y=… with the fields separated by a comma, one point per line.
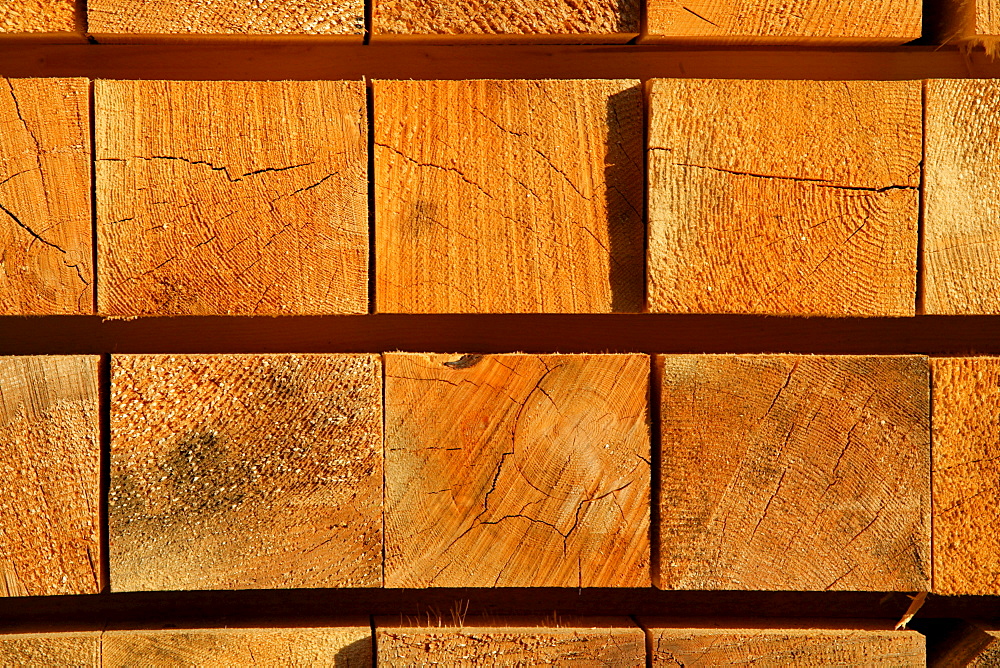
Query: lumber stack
x=375, y=471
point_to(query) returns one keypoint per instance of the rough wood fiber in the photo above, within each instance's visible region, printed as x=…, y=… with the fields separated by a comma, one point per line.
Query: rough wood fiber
x=340, y=646
x=961, y=236
x=788, y=21
x=226, y=17
x=672, y=645
x=55, y=650
x=245, y=472
x=50, y=456
x=508, y=196
x=501, y=20
x=45, y=227
x=966, y=475
x=510, y=641
x=517, y=471
x=784, y=472
x=37, y=16
x=237, y=198
x=784, y=197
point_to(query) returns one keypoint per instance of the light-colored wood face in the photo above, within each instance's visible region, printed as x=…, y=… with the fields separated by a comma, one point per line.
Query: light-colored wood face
x=784, y=197
x=226, y=17
x=961, y=209
x=50, y=455
x=350, y=647
x=520, y=641
x=778, y=648
x=45, y=228
x=457, y=18
x=32, y=16
x=245, y=472
x=889, y=21
x=987, y=16
x=517, y=471
x=966, y=472
x=238, y=198
x=785, y=472
x=80, y=650
x=508, y=196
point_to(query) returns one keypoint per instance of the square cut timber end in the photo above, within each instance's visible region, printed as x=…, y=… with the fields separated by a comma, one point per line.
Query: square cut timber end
x=82, y=649
x=262, y=211
x=962, y=181
x=804, y=22
x=789, y=472
x=49, y=499
x=190, y=20
x=778, y=642
x=345, y=642
x=245, y=472
x=517, y=471
x=508, y=196
x=509, y=641
x=45, y=220
x=44, y=20
x=966, y=475
x=493, y=21
x=796, y=198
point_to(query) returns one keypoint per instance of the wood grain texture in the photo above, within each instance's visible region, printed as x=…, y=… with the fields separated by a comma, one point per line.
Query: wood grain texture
x=784, y=197
x=340, y=646
x=45, y=227
x=245, y=472
x=262, y=211
x=50, y=454
x=508, y=196
x=781, y=21
x=224, y=17
x=503, y=20
x=510, y=641
x=38, y=16
x=756, y=645
x=784, y=472
x=53, y=650
x=961, y=238
x=517, y=471
x=966, y=399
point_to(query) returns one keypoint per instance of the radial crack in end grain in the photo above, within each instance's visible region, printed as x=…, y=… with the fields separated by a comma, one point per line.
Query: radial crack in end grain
x=784, y=472
x=49, y=448
x=45, y=221
x=81, y=650
x=966, y=475
x=38, y=16
x=548, y=21
x=510, y=641
x=346, y=643
x=508, y=196
x=232, y=198
x=245, y=472
x=133, y=20
x=781, y=643
x=517, y=471
x=961, y=209
x=784, y=197
x=813, y=22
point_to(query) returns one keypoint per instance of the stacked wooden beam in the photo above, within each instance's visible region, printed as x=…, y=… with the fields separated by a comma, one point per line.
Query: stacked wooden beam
x=812, y=214
x=493, y=641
